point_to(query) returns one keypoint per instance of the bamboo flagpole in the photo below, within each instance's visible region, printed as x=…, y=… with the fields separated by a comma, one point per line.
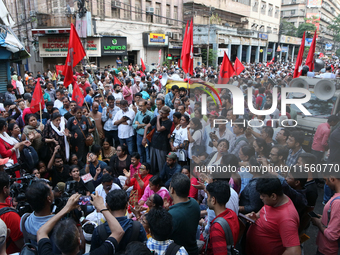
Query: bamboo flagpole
x=40, y=113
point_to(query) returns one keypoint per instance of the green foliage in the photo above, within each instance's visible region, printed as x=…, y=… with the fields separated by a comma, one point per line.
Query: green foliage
x=288, y=28
x=335, y=27
x=212, y=56
x=337, y=52
x=305, y=53
x=308, y=27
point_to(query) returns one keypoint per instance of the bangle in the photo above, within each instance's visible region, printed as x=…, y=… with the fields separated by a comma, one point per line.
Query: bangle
x=101, y=211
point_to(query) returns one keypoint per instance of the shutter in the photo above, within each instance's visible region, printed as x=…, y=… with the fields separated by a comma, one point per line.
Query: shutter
x=3, y=77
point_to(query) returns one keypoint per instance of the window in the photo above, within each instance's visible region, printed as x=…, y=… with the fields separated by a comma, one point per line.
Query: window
x=292, y=12
x=255, y=6
x=168, y=11
x=138, y=10
x=277, y=10
x=270, y=10
x=127, y=9
x=275, y=31
x=175, y=15
x=100, y=4
x=149, y=18
x=269, y=29
x=158, y=12
x=263, y=7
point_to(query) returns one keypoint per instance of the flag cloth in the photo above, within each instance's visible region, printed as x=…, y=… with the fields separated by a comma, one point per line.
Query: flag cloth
x=37, y=98
x=226, y=71
x=59, y=68
x=310, y=57
x=321, y=55
x=75, y=54
x=77, y=95
x=116, y=81
x=142, y=63
x=238, y=66
x=183, y=53
x=298, y=65
x=271, y=62
x=191, y=48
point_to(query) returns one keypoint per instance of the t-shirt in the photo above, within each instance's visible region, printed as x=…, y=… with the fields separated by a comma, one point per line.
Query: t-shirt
x=180, y=135
x=160, y=140
x=60, y=176
x=328, y=241
x=12, y=221
x=185, y=217
x=276, y=229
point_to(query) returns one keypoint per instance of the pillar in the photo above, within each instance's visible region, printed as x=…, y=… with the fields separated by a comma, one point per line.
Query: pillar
x=265, y=54
x=239, y=52
x=229, y=50
x=293, y=53
x=215, y=48
x=287, y=53
x=248, y=56
x=274, y=51
x=281, y=53
x=257, y=54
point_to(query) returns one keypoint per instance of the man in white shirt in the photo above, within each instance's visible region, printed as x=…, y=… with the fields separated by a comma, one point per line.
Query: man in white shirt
x=117, y=92
x=328, y=74
x=123, y=120
x=106, y=186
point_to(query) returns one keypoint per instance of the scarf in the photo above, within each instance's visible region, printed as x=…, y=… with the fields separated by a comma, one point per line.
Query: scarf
x=61, y=133
x=10, y=140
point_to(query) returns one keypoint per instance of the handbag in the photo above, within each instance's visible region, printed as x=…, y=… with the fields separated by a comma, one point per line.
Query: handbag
x=182, y=155
x=150, y=135
x=88, y=139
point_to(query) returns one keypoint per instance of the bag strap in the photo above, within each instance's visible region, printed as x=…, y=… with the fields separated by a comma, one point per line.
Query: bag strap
x=172, y=249
x=103, y=235
x=135, y=231
x=3, y=211
x=329, y=210
x=227, y=231
x=27, y=236
x=241, y=139
x=80, y=128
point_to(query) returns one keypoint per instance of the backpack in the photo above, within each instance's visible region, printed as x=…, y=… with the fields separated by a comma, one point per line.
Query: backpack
x=228, y=236
x=172, y=249
x=29, y=157
x=240, y=139
x=29, y=248
x=263, y=101
x=6, y=210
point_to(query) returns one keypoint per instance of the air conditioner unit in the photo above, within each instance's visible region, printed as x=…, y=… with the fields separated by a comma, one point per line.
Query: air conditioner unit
x=150, y=10
x=175, y=36
x=169, y=34
x=33, y=14
x=170, y=22
x=115, y=4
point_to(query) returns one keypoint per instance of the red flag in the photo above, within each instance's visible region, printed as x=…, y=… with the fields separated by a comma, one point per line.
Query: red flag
x=143, y=66
x=298, y=65
x=59, y=68
x=116, y=81
x=75, y=54
x=310, y=57
x=238, y=66
x=37, y=99
x=321, y=55
x=188, y=51
x=77, y=95
x=271, y=62
x=185, y=38
x=332, y=68
x=226, y=71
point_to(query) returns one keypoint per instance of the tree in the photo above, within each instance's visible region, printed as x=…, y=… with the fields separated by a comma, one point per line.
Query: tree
x=212, y=56
x=308, y=27
x=335, y=27
x=288, y=28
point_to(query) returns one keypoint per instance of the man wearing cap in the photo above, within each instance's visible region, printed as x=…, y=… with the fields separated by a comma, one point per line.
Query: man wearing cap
x=170, y=168
x=160, y=142
x=106, y=186
x=15, y=239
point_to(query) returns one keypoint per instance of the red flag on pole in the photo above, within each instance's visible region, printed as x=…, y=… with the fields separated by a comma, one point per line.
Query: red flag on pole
x=238, y=66
x=77, y=95
x=271, y=62
x=37, y=99
x=116, y=81
x=75, y=54
x=59, y=68
x=142, y=63
x=226, y=71
x=183, y=53
x=310, y=57
x=298, y=65
x=191, y=48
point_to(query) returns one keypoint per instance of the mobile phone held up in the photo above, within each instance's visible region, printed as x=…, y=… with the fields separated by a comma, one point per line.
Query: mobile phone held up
x=84, y=200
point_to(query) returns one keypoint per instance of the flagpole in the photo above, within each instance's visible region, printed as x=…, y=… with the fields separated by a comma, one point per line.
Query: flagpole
x=87, y=105
x=40, y=112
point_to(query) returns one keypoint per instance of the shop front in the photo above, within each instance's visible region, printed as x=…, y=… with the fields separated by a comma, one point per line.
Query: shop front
x=112, y=48
x=153, y=43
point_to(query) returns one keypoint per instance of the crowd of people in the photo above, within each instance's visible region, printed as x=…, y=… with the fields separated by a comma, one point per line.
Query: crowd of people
x=130, y=170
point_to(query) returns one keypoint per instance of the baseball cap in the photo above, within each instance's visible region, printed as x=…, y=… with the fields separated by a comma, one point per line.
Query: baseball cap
x=214, y=113
x=61, y=186
x=172, y=155
x=165, y=109
x=3, y=161
x=3, y=232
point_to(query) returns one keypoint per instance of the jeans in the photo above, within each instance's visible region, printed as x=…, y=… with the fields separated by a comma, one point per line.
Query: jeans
x=112, y=137
x=129, y=142
x=144, y=152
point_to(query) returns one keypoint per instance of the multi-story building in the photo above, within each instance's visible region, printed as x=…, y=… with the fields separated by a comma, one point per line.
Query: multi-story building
x=128, y=29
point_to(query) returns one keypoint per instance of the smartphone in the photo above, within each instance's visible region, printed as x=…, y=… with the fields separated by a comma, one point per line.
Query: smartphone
x=313, y=215
x=84, y=200
x=246, y=218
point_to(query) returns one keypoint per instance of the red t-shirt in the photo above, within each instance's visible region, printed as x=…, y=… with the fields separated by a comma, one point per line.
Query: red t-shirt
x=83, y=87
x=134, y=183
x=193, y=191
x=5, y=151
x=12, y=221
x=26, y=111
x=217, y=243
x=276, y=229
x=259, y=100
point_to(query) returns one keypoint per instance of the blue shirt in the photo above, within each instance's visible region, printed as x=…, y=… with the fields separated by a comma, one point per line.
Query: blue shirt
x=89, y=100
x=93, y=168
x=108, y=126
x=139, y=117
x=100, y=109
x=63, y=111
x=167, y=173
x=168, y=99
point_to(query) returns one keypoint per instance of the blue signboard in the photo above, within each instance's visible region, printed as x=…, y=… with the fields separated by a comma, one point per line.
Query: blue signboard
x=263, y=36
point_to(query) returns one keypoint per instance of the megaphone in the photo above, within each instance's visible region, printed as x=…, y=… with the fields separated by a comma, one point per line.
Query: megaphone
x=301, y=82
x=164, y=79
x=318, y=65
x=324, y=89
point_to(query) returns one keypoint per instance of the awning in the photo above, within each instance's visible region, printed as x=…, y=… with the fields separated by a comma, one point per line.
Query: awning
x=50, y=31
x=9, y=41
